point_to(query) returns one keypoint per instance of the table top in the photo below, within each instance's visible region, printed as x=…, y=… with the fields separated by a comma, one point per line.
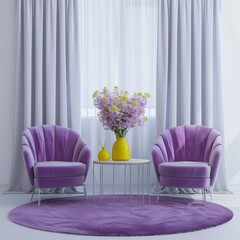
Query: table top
x=132, y=161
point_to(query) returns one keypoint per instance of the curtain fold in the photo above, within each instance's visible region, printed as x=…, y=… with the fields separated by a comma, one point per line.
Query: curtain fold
x=189, y=84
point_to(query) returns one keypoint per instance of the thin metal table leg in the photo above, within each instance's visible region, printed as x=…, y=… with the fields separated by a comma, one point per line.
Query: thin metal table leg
x=130, y=187
x=125, y=175
x=93, y=182
x=39, y=196
x=113, y=184
x=138, y=180
x=149, y=187
x=101, y=183
x=142, y=184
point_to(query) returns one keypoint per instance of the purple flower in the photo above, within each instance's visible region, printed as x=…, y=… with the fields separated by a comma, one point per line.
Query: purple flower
x=119, y=112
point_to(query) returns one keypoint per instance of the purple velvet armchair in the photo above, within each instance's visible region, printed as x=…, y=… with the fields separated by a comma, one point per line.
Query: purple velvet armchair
x=187, y=156
x=55, y=157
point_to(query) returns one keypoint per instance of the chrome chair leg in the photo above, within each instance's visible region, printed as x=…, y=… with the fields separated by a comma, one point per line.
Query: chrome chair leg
x=210, y=192
x=85, y=190
x=33, y=192
x=158, y=192
x=39, y=196
x=160, y=188
x=203, y=190
x=69, y=190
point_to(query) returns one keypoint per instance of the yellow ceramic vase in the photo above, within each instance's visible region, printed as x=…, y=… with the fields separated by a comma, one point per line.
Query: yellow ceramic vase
x=103, y=155
x=120, y=150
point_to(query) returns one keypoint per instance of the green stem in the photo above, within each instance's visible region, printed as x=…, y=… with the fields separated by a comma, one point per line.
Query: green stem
x=120, y=132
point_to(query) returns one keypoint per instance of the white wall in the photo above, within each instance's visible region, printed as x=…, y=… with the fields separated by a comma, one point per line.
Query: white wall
x=7, y=67
x=230, y=69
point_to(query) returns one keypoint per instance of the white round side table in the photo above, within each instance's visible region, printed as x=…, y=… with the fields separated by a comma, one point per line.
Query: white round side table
x=128, y=163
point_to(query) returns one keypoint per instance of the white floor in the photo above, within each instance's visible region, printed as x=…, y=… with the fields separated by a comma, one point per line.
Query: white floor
x=12, y=231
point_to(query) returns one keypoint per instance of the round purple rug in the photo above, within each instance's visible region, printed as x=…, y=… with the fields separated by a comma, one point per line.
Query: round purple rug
x=76, y=215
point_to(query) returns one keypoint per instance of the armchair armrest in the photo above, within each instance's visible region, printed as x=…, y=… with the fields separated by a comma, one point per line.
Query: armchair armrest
x=85, y=157
x=29, y=161
x=159, y=154
x=214, y=162
x=82, y=153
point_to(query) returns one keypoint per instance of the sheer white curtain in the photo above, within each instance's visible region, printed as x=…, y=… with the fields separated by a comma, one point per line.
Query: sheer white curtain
x=189, y=83
x=118, y=47
x=69, y=48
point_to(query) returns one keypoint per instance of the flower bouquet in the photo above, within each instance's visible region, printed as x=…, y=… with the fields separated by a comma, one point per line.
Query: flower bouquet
x=120, y=112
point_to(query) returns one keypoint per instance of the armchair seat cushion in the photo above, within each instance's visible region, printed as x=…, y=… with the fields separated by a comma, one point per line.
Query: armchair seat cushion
x=58, y=169
x=184, y=169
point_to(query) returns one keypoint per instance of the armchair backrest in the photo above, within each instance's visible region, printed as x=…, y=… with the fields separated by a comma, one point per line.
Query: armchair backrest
x=52, y=143
x=189, y=143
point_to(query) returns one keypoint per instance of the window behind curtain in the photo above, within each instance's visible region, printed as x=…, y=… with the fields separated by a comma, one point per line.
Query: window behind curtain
x=118, y=47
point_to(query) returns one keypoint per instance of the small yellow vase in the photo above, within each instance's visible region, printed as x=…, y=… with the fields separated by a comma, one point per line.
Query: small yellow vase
x=120, y=150
x=103, y=155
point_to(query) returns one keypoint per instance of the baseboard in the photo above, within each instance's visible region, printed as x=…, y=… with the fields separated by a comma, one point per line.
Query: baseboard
x=3, y=187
